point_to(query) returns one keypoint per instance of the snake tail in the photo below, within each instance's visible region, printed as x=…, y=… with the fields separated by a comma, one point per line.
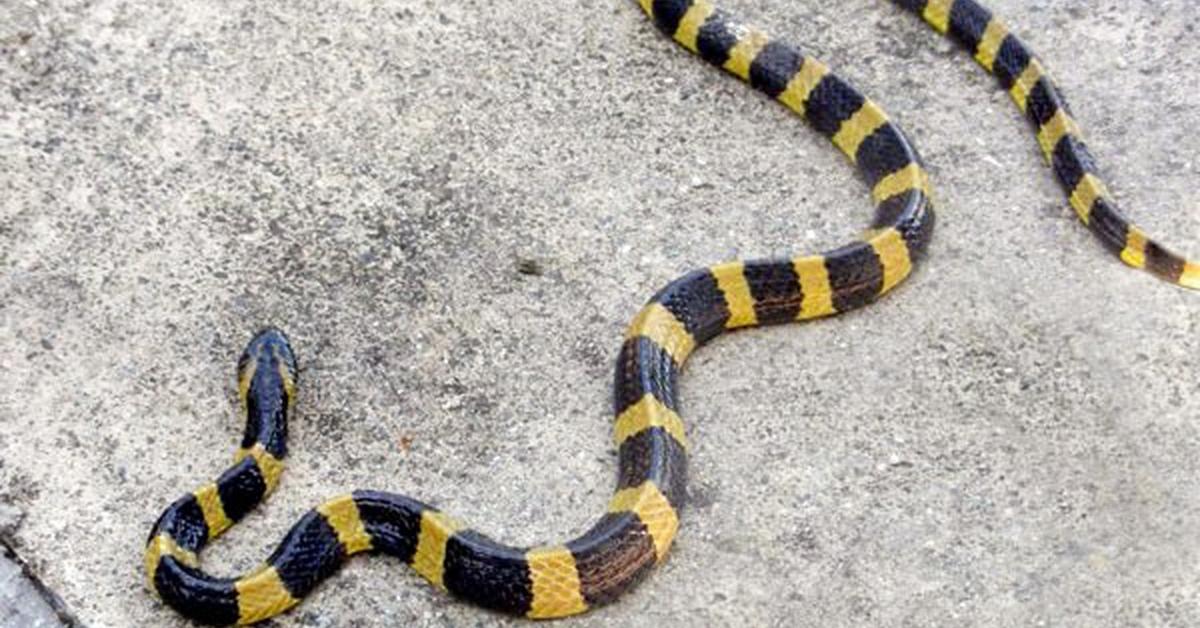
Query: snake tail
x=641, y=520
x=1027, y=81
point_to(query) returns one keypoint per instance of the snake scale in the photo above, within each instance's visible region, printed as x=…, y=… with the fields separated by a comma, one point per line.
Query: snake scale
x=642, y=517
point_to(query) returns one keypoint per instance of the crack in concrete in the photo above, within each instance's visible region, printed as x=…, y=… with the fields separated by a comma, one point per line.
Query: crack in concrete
x=25, y=599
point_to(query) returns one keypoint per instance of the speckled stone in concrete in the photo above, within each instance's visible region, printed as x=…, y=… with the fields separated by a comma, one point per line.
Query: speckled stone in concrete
x=1009, y=440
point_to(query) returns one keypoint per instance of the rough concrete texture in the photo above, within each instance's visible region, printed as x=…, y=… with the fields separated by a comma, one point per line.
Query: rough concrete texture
x=1009, y=440
x=22, y=603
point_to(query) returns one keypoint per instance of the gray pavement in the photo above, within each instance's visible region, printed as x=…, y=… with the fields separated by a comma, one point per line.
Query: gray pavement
x=22, y=603
x=1008, y=440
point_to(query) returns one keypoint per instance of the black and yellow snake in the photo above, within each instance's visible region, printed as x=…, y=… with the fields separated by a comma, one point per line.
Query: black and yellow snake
x=637, y=530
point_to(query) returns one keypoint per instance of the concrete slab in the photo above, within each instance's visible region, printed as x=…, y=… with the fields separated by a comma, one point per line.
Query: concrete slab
x=1009, y=440
x=23, y=603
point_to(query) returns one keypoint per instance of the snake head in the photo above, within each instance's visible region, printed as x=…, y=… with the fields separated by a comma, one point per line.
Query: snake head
x=269, y=356
x=267, y=388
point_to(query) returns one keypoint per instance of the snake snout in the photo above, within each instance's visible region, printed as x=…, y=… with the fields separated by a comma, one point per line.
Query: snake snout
x=270, y=348
x=271, y=340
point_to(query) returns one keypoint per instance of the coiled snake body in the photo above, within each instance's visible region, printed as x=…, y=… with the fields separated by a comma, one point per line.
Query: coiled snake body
x=640, y=524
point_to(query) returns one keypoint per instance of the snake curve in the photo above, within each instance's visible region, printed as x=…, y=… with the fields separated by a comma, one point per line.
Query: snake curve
x=642, y=517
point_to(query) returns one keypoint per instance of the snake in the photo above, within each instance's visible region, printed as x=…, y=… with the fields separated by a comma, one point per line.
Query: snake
x=642, y=517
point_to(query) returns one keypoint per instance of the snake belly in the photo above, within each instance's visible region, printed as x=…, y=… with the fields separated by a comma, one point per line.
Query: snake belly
x=642, y=517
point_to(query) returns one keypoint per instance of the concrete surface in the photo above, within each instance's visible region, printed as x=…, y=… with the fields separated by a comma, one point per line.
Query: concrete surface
x=23, y=604
x=1010, y=440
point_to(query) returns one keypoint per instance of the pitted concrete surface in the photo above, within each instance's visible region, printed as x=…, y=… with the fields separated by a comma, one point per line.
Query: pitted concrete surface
x=1008, y=440
x=22, y=605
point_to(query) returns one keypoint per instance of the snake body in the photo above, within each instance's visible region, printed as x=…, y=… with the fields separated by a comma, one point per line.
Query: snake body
x=642, y=517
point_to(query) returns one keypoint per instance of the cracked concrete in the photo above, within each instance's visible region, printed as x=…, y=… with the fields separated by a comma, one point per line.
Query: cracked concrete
x=22, y=603
x=1008, y=440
